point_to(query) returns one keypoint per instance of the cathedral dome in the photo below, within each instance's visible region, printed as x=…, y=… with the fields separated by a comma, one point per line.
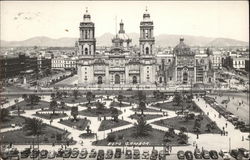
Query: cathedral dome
x=182, y=48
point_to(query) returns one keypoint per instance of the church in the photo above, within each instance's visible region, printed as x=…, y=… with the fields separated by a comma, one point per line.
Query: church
x=122, y=66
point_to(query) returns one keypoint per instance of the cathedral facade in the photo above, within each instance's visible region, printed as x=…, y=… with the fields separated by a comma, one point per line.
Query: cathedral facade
x=121, y=65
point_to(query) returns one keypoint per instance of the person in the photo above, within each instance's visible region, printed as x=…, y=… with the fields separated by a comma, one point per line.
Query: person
x=226, y=125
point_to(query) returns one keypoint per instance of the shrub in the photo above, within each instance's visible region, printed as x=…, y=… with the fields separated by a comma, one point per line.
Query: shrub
x=120, y=136
x=111, y=138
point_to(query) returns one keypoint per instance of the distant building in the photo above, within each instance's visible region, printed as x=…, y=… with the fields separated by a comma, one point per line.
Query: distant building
x=64, y=62
x=17, y=65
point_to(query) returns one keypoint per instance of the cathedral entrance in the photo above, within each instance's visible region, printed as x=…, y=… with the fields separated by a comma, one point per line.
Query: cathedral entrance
x=117, y=79
x=185, y=78
x=134, y=80
x=99, y=80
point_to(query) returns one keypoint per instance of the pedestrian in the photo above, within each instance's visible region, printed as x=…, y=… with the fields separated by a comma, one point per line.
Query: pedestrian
x=242, y=138
x=226, y=125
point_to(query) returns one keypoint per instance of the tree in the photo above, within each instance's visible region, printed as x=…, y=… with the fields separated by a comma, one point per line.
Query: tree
x=171, y=131
x=100, y=106
x=142, y=107
x=32, y=99
x=34, y=126
x=208, y=126
x=120, y=98
x=177, y=99
x=53, y=105
x=142, y=128
x=24, y=96
x=58, y=95
x=141, y=96
x=75, y=93
x=4, y=113
x=74, y=112
x=52, y=95
x=89, y=96
x=182, y=138
x=114, y=114
x=18, y=107
x=183, y=129
x=65, y=94
x=167, y=136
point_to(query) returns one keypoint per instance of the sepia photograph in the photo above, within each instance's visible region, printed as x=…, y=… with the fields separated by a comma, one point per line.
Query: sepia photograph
x=98, y=80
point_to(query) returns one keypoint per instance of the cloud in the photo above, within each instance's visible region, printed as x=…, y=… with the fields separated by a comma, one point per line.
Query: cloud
x=27, y=15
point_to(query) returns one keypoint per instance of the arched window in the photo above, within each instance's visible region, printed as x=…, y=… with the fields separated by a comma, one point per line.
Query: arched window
x=147, y=50
x=134, y=79
x=160, y=80
x=99, y=80
x=86, y=51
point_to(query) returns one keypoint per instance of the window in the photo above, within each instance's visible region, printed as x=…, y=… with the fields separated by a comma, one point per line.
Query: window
x=147, y=50
x=86, y=51
x=169, y=60
x=160, y=80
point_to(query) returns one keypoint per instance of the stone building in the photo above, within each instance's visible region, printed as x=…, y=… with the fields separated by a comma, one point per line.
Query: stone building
x=123, y=66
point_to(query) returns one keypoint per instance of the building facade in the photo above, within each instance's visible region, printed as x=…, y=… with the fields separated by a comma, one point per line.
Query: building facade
x=121, y=65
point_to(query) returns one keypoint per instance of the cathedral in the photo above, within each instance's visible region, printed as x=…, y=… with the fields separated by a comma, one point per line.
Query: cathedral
x=122, y=66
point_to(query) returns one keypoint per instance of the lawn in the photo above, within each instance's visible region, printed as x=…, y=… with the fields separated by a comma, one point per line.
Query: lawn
x=178, y=122
x=191, y=106
x=109, y=124
x=25, y=106
x=117, y=104
x=51, y=116
x=126, y=137
x=49, y=136
x=93, y=112
x=146, y=116
x=80, y=124
x=12, y=120
x=134, y=99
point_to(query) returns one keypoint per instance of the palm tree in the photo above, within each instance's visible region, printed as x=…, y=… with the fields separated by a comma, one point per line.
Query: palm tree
x=53, y=106
x=142, y=107
x=4, y=113
x=142, y=128
x=34, y=126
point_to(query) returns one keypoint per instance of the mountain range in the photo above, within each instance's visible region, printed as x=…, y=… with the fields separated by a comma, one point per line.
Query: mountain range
x=163, y=40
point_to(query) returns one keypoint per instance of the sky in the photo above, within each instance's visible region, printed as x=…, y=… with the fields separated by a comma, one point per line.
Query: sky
x=56, y=19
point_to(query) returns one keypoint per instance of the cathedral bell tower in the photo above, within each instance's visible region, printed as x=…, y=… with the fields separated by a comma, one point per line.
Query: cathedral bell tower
x=87, y=41
x=147, y=56
x=147, y=39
